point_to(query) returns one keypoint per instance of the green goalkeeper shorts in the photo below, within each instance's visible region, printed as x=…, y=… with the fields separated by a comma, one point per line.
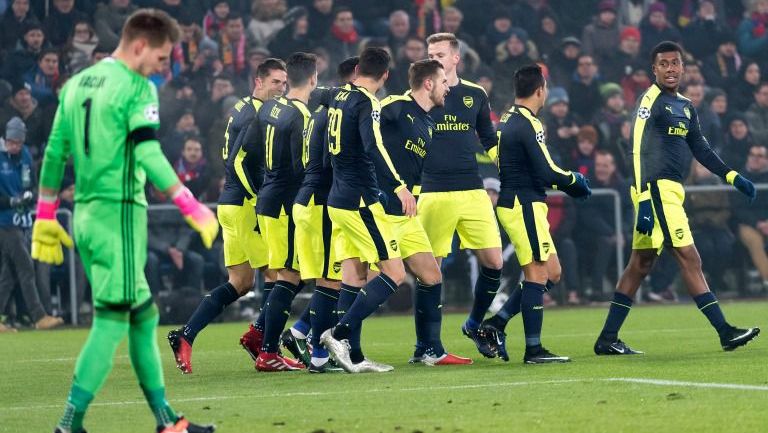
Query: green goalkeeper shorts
x=111, y=238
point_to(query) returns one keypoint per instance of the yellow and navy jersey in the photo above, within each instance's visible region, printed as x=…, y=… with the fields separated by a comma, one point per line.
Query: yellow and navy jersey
x=665, y=133
x=452, y=163
x=318, y=173
x=354, y=136
x=282, y=124
x=407, y=132
x=242, y=171
x=526, y=168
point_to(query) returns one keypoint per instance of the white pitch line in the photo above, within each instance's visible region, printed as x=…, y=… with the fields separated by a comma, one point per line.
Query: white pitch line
x=641, y=381
x=661, y=382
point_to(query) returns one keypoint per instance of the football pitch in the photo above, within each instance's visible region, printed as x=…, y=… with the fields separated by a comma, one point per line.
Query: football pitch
x=684, y=382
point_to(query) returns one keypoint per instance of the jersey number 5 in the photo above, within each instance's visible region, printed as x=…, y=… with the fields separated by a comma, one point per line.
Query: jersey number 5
x=334, y=130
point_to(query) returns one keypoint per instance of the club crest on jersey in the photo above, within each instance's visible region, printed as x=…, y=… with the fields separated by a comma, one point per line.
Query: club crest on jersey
x=644, y=113
x=393, y=245
x=687, y=112
x=337, y=267
x=540, y=137
x=679, y=234
x=151, y=113
x=468, y=101
x=375, y=116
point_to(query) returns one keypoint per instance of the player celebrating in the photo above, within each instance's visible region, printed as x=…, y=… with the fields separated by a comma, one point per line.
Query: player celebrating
x=244, y=248
x=526, y=170
x=452, y=195
x=665, y=132
x=107, y=121
x=357, y=215
x=406, y=131
x=283, y=123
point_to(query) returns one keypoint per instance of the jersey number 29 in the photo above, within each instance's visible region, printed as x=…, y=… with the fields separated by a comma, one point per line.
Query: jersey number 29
x=334, y=130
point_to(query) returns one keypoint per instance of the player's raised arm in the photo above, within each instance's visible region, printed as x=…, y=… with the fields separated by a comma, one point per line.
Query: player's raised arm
x=708, y=158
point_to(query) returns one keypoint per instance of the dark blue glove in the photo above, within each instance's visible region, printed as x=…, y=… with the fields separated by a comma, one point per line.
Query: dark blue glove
x=579, y=189
x=645, y=217
x=746, y=187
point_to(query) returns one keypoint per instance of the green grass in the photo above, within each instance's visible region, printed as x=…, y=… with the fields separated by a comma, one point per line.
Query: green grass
x=489, y=396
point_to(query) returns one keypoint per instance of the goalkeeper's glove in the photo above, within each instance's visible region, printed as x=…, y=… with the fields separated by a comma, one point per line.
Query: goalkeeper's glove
x=744, y=185
x=197, y=215
x=48, y=235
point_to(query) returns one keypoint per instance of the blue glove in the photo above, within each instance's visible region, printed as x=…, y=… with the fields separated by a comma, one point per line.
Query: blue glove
x=746, y=187
x=579, y=189
x=645, y=217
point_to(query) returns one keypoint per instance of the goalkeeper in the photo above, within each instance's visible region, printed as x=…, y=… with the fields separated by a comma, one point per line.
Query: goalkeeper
x=106, y=121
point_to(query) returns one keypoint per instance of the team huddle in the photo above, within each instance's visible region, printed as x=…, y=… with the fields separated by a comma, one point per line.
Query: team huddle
x=333, y=186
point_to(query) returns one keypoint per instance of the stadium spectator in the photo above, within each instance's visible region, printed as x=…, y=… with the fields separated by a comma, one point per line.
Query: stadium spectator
x=215, y=20
x=109, y=19
x=399, y=30
x=710, y=213
x=61, y=21
x=752, y=34
x=176, y=97
x=173, y=141
x=343, y=41
x=601, y=37
x=709, y=122
x=27, y=50
x=78, y=53
x=757, y=115
x=563, y=62
x=195, y=54
x=266, y=20
x=562, y=127
x=752, y=220
x=700, y=36
x=320, y=19
x=721, y=68
x=14, y=20
x=426, y=18
x=691, y=73
x=631, y=12
x=738, y=140
x=617, y=64
x=233, y=47
x=655, y=28
x=584, y=88
x=453, y=19
x=293, y=37
x=497, y=33
x=16, y=201
x=510, y=56
x=597, y=223
x=717, y=100
x=192, y=168
x=256, y=57
x=415, y=48
x=43, y=77
x=169, y=242
x=741, y=96
x=583, y=156
x=612, y=114
x=484, y=77
x=634, y=84
x=21, y=104
x=221, y=87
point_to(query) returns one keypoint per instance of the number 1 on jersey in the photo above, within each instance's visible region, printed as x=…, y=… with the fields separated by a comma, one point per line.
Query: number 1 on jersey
x=334, y=130
x=86, y=140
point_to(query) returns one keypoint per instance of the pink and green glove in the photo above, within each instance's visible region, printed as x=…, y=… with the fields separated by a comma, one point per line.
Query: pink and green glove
x=47, y=234
x=197, y=215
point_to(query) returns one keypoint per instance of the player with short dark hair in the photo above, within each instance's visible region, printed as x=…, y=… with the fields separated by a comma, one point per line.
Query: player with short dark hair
x=244, y=248
x=666, y=132
x=358, y=216
x=406, y=130
x=527, y=170
x=107, y=122
x=452, y=196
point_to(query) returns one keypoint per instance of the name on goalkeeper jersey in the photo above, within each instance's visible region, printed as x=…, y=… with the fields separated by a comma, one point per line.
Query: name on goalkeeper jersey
x=91, y=81
x=450, y=123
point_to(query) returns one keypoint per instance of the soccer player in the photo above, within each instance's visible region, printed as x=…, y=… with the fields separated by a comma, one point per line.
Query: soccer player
x=406, y=130
x=665, y=133
x=526, y=170
x=244, y=248
x=452, y=196
x=358, y=217
x=107, y=122
x=283, y=124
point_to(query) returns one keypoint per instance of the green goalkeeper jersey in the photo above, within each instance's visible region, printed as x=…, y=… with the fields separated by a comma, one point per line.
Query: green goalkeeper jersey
x=106, y=120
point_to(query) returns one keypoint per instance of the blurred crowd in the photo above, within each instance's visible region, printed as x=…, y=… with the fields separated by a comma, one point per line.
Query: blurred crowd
x=595, y=53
